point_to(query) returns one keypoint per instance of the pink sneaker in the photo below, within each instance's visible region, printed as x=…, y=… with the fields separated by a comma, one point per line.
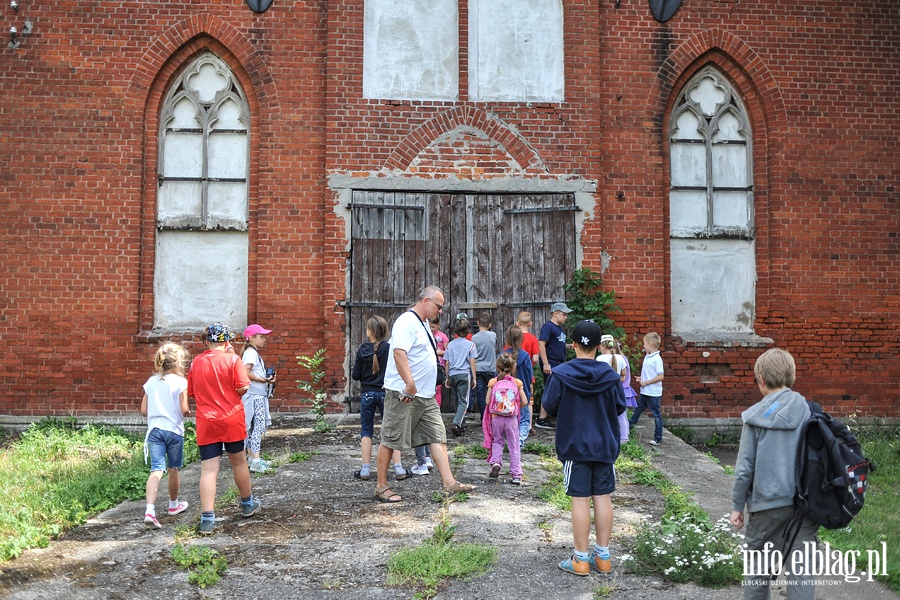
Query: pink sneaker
x=151, y=522
x=182, y=506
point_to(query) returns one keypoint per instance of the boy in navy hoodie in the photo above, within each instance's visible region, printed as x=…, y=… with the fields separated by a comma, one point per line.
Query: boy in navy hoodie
x=586, y=397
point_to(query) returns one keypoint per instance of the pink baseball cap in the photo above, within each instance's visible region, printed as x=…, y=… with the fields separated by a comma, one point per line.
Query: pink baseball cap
x=255, y=329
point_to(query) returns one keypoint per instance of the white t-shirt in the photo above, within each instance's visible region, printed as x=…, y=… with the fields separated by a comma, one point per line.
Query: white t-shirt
x=652, y=366
x=164, y=403
x=409, y=334
x=620, y=361
x=251, y=357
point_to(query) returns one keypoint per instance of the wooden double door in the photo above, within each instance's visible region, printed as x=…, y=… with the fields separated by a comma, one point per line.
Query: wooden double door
x=498, y=252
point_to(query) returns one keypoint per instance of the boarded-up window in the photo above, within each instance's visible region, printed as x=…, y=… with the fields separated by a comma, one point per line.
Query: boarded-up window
x=411, y=50
x=516, y=51
x=711, y=209
x=202, y=211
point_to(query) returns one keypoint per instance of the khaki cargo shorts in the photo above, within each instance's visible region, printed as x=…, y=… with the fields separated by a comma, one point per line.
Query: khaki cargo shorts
x=409, y=424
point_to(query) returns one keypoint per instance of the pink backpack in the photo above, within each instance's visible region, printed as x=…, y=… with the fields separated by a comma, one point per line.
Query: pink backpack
x=504, y=401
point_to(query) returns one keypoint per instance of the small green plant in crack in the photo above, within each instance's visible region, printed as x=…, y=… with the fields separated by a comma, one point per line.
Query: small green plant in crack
x=539, y=448
x=205, y=566
x=186, y=531
x=470, y=451
x=315, y=387
x=332, y=584
x=438, y=558
x=298, y=457
x=553, y=492
x=604, y=591
x=229, y=498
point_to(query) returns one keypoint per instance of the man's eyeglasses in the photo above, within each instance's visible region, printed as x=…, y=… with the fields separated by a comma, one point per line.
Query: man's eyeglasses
x=439, y=306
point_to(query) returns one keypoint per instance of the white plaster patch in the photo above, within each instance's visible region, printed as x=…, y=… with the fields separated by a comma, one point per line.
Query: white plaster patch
x=200, y=278
x=713, y=285
x=411, y=50
x=516, y=51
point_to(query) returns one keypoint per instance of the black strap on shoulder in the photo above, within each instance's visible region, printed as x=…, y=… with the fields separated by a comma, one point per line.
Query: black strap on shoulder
x=428, y=332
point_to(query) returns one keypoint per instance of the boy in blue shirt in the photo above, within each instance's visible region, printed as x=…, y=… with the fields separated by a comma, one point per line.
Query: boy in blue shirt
x=552, y=349
x=585, y=395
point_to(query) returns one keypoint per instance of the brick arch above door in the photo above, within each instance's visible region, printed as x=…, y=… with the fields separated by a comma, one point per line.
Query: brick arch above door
x=495, y=129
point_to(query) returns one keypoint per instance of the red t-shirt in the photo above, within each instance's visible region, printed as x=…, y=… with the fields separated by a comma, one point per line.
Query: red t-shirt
x=530, y=344
x=213, y=381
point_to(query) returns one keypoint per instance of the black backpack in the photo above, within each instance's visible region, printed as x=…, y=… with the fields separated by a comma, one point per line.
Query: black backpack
x=832, y=473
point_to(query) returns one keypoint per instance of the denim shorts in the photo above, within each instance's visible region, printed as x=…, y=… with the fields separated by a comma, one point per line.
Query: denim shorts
x=370, y=403
x=583, y=479
x=165, y=447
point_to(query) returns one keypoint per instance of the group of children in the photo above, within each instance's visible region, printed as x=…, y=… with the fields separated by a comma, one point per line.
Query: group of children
x=231, y=393
x=587, y=397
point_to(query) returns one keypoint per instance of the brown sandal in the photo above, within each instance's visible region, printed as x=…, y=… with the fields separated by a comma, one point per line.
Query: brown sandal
x=459, y=488
x=387, y=495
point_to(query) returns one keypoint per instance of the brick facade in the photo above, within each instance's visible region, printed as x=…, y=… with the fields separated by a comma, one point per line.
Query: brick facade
x=80, y=105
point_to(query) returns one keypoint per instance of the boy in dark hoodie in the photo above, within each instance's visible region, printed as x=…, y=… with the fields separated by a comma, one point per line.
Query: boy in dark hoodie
x=586, y=397
x=769, y=440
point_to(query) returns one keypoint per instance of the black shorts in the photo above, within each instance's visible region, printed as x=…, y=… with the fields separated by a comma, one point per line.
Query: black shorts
x=583, y=479
x=214, y=450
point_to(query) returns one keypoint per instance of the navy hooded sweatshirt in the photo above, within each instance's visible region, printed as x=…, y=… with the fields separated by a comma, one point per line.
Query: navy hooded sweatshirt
x=362, y=367
x=586, y=398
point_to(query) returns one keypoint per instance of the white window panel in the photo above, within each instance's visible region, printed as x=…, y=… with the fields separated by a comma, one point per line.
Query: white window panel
x=687, y=127
x=228, y=116
x=731, y=210
x=228, y=205
x=185, y=115
x=179, y=204
x=207, y=81
x=713, y=285
x=728, y=127
x=228, y=155
x=729, y=165
x=183, y=154
x=688, y=212
x=688, y=165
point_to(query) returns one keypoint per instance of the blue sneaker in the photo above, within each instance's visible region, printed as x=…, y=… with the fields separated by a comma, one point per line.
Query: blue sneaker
x=206, y=526
x=248, y=509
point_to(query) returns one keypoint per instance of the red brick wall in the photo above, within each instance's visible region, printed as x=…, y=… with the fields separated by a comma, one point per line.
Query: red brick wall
x=78, y=127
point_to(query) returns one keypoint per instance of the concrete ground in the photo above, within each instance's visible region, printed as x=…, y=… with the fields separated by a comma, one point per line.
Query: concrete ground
x=320, y=534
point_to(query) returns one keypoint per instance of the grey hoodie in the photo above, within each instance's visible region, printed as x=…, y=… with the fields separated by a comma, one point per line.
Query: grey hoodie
x=764, y=473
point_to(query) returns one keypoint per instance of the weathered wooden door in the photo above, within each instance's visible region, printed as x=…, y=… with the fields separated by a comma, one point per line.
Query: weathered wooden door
x=503, y=253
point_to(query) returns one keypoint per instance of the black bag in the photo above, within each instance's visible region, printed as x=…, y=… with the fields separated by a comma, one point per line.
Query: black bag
x=832, y=473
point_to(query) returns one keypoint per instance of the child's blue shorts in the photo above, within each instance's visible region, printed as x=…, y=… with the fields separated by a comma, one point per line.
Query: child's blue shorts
x=166, y=448
x=583, y=479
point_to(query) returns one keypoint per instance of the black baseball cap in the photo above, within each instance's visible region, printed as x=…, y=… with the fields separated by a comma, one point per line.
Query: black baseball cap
x=587, y=334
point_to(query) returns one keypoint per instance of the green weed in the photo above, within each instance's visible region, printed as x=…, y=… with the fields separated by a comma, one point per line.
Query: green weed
x=298, y=457
x=205, y=566
x=539, y=448
x=470, y=451
x=437, y=559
